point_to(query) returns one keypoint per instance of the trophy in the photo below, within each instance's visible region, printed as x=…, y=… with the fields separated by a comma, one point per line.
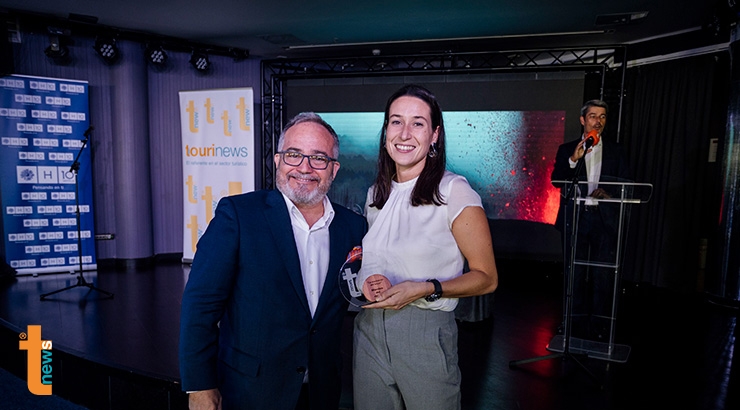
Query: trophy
x=352, y=273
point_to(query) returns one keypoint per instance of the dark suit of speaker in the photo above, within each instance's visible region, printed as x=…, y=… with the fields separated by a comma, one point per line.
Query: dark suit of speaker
x=614, y=168
x=246, y=327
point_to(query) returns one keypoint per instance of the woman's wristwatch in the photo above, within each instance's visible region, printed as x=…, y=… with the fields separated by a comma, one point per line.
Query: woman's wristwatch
x=437, y=291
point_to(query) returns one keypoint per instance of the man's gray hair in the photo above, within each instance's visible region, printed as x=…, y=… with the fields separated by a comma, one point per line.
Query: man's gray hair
x=594, y=103
x=309, y=117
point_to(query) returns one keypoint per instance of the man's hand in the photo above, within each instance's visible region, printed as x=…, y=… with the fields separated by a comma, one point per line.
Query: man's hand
x=205, y=400
x=579, y=151
x=599, y=193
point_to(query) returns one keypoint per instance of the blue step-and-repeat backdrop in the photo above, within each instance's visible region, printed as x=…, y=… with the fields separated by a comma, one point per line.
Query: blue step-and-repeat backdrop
x=44, y=127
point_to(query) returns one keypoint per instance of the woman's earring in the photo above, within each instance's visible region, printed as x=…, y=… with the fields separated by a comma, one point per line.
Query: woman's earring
x=432, y=151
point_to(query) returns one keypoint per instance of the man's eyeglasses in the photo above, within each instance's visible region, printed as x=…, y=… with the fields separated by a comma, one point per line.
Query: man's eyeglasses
x=295, y=159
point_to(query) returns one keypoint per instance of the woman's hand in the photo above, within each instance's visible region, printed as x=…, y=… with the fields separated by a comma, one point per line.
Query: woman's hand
x=400, y=295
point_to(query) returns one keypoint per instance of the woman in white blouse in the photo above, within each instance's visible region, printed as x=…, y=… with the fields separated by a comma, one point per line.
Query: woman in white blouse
x=425, y=222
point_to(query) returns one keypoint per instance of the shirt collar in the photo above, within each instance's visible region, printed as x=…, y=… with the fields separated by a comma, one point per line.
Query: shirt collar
x=297, y=216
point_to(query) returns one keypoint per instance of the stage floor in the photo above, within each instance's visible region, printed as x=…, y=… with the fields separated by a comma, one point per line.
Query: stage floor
x=135, y=330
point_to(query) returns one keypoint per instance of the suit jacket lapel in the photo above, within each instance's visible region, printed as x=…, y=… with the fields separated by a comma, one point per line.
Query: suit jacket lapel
x=608, y=161
x=336, y=244
x=281, y=227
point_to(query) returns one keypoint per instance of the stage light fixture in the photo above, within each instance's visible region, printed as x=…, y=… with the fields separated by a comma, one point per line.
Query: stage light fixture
x=107, y=49
x=199, y=61
x=239, y=54
x=56, y=50
x=156, y=55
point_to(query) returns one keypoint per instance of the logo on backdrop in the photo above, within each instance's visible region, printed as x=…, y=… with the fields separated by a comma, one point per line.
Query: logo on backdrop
x=39, y=360
x=218, y=161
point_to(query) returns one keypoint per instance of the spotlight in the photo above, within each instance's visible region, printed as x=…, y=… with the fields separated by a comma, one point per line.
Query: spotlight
x=156, y=55
x=239, y=54
x=56, y=50
x=107, y=49
x=200, y=61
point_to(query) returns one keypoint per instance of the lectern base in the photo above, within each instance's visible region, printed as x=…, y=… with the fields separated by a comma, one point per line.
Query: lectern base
x=591, y=348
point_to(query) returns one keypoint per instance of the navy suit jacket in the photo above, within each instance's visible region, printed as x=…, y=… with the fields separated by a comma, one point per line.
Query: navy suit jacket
x=614, y=168
x=246, y=327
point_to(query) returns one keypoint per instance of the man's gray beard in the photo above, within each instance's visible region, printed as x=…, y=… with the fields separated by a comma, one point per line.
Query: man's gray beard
x=303, y=196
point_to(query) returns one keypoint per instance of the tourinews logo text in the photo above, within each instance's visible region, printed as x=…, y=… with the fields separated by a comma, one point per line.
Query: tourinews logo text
x=39, y=360
x=216, y=151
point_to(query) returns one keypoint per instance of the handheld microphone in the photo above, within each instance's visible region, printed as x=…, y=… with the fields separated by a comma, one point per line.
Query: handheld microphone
x=88, y=131
x=592, y=138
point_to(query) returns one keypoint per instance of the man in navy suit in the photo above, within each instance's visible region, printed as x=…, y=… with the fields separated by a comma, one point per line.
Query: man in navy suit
x=597, y=160
x=262, y=310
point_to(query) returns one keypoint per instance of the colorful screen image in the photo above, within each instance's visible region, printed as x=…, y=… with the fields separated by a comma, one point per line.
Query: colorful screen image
x=507, y=156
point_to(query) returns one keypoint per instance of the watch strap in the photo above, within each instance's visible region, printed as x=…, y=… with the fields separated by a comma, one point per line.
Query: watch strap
x=437, y=291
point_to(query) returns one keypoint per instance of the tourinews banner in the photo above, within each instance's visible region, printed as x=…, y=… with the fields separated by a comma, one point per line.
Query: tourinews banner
x=44, y=124
x=217, y=155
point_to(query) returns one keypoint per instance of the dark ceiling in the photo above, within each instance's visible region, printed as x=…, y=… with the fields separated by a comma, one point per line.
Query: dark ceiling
x=275, y=28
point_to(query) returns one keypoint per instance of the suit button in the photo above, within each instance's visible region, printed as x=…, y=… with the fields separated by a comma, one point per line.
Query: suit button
x=313, y=331
x=301, y=369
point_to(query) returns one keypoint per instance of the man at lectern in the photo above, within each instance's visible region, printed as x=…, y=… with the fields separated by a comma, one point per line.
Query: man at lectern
x=262, y=310
x=591, y=159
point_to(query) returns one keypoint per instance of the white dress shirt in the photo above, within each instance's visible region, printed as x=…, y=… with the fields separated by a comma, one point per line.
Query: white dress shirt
x=313, y=249
x=593, y=169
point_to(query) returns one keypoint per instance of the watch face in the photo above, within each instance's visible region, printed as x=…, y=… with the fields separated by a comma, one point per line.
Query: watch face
x=432, y=298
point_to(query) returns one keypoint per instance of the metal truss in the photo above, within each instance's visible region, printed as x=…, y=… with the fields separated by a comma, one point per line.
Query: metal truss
x=610, y=62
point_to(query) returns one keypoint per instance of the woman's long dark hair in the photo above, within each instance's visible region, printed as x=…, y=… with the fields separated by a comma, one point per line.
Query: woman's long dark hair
x=426, y=191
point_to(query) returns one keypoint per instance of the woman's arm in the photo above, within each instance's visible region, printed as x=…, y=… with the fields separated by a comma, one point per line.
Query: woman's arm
x=473, y=237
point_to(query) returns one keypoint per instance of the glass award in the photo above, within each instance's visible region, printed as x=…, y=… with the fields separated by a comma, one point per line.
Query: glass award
x=360, y=285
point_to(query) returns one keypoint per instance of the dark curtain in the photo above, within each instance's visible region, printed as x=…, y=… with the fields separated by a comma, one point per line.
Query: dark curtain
x=672, y=110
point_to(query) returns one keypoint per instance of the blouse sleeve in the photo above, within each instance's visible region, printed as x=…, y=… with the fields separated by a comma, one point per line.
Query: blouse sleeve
x=459, y=196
